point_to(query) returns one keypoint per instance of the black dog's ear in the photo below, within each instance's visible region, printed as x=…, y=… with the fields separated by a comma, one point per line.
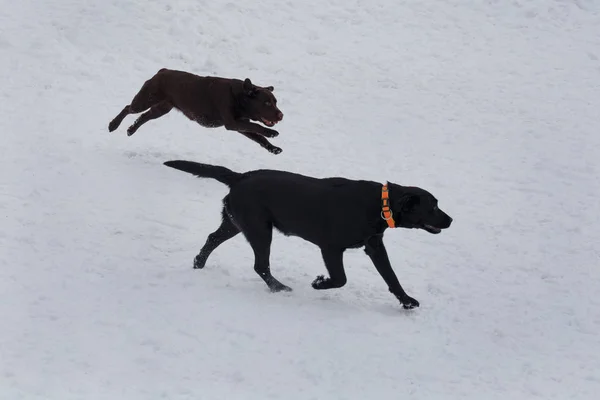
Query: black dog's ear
x=408, y=202
x=248, y=87
x=270, y=88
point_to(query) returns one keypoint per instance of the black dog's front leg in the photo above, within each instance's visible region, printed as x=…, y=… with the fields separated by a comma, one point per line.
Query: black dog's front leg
x=247, y=126
x=335, y=266
x=375, y=249
x=262, y=141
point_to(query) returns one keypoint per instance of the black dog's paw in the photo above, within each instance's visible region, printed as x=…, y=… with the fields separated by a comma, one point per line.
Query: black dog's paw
x=275, y=150
x=199, y=262
x=279, y=287
x=323, y=283
x=409, y=303
x=319, y=282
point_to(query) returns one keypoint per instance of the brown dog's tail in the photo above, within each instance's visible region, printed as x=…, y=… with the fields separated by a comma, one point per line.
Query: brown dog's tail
x=222, y=174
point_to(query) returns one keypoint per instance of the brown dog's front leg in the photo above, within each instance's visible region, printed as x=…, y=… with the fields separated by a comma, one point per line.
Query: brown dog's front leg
x=262, y=141
x=375, y=249
x=247, y=126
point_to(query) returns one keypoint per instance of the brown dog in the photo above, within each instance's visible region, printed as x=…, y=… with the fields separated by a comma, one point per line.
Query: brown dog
x=210, y=101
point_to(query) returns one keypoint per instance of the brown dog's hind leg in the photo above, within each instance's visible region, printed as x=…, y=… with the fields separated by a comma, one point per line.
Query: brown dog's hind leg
x=114, y=124
x=148, y=96
x=156, y=111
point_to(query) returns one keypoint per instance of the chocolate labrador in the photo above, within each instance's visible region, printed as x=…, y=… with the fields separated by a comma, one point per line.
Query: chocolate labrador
x=210, y=101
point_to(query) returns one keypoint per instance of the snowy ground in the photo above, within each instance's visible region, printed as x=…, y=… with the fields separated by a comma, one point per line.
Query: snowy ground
x=490, y=105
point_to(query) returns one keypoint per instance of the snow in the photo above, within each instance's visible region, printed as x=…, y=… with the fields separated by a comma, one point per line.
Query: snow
x=490, y=105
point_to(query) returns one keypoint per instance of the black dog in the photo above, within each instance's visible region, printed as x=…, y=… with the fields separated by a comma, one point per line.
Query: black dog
x=334, y=213
x=210, y=101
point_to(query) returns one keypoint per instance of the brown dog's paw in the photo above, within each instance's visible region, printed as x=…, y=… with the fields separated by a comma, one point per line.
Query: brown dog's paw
x=275, y=150
x=114, y=124
x=271, y=133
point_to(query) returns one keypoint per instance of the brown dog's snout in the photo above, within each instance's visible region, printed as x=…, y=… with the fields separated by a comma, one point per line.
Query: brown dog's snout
x=280, y=115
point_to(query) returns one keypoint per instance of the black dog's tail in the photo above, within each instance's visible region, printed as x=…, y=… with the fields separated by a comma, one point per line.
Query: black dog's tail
x=222, y=174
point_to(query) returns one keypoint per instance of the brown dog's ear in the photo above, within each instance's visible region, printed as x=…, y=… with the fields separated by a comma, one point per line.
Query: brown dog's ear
x=248, y=87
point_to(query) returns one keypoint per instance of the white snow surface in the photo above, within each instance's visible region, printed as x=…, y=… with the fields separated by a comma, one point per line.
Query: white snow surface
x=492, y=105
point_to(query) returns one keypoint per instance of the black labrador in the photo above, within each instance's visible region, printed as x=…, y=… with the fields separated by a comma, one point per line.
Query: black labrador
x=210, y=101
x=333, y=213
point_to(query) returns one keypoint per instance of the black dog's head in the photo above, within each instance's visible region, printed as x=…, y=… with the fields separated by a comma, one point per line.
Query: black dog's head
x=260, y=104
x=414, y=207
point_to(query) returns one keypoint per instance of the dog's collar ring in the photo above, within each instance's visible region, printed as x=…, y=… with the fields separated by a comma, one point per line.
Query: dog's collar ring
x=388, y=218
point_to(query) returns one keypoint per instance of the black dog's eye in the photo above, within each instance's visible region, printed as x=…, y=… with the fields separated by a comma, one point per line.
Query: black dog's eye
x=267, y=103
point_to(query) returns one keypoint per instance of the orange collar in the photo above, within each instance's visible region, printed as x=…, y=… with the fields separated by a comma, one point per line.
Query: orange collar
x=386, y=211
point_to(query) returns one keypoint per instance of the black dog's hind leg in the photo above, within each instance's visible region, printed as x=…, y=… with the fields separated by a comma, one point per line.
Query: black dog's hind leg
x=335, y=266
x=262, y=141
x=260, y=238
x=226, y=231
x=375, y=249
x=156, y=111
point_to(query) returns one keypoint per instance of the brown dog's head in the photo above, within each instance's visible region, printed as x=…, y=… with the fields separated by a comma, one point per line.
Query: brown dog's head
x=414, y=207
x=260, y=104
